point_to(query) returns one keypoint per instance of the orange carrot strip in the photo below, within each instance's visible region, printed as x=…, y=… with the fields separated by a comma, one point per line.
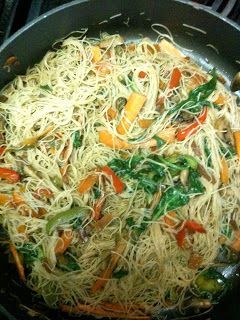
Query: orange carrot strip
x=4, y=198
x=107, y=273
x=224, y=173
x=111, y=113
x=64, y=242
x=105, y=220
x=125, y=308
x=145, y=123
x=87, y=183
x=167, y=218
x=2, y=149
x=131, y=110
x=237, y=142
x=18, y=199
x=18, y=262
x=142, y=74
x=175, y=78
x=112, y=141
x=235, y=245
x=99, y=311
x=97, y=208
x=21, y=228
x=96, y=54
x=221, y=99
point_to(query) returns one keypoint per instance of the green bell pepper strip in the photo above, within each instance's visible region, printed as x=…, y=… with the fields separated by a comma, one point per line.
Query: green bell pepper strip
x=64, y=217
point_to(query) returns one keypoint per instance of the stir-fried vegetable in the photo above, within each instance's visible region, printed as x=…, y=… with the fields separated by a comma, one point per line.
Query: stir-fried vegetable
x=66, y=262
x=188, y=226
x=107, y=273
x=63, y=242
x=237, y=142
x=77, y=139
x=117, y=183
x=192, y=128
x=64, y=217
x=18, y=262
x=224, y=173
x=11, y=176
x=175, y=78
x=131, y=110
x=172, y=199
x=87, y=183
x=197, y=97
x=211, y=284
x=31, y=141
x=30, y=253
x=96, y=54
x=4, y=199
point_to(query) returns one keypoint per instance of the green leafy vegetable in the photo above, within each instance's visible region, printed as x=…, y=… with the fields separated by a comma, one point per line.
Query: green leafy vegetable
x=77, y=139
x=30, y=253
x=175, y=197
x=120, y=274
x=210, y=284
x=130, y=221
x=160, y=142
x=97, y=192
x=67, y=263
x=194, y=184
x=64, y=217
x=228, y=151
x=197, y=97
x=207, y=153
x=46, y=88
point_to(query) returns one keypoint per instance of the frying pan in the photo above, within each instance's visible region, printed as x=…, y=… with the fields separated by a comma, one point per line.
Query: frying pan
x=218, y=45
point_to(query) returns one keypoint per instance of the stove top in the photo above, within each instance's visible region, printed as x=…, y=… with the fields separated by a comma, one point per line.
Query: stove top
x=16, y=13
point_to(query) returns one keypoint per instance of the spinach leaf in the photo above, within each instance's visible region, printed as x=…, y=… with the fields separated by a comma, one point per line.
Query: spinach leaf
x=194, y=184
x=175, y=197
x=30, y=253
x=228, y=151
x=77, y=139
x=46, y=88
x=96, y=192
x=160, y=142
x=68, y=263
x=197, y=97
x=120, y=274
x=130, y=221
x=77, y=223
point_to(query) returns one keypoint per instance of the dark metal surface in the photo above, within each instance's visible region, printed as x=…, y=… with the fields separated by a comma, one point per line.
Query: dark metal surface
x=32, y=42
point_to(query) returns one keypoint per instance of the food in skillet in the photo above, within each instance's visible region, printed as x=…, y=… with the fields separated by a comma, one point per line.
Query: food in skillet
x=120, y=177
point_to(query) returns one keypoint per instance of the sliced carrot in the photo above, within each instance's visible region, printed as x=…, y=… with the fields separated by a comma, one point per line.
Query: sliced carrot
x=221, y=99
x=111, y=113
x=105, y=220
x=237, y=142
x=169, y=48
x=96, y=54
x=31, y=141
x=131, y=47
x=131, y=110
x=142, y=74
x=116, y=181
x=40, y=213
x=145, y=123
x=21, y=228
x=125, y=308
x=63, y=242
x=224, y=173
x=112, y=141
x=107, y=273
x=18, y=199
x=100, y=311
x=168, y=218
x=2, y=149
x=98, y=206
x=66, y=153
x=195, y=261
x=175, y=78
x=168, y=134
x=87, y=183
x=235, y=245
x=4, y=199
x=18, y=262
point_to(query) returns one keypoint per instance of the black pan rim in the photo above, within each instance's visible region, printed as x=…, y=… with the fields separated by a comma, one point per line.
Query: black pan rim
x=76, y=2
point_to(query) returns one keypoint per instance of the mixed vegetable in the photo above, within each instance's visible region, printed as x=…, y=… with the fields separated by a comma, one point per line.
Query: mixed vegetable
x=168, y=179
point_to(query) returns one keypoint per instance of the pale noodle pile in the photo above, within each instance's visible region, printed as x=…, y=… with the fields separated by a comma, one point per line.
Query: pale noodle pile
x=67, y=93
